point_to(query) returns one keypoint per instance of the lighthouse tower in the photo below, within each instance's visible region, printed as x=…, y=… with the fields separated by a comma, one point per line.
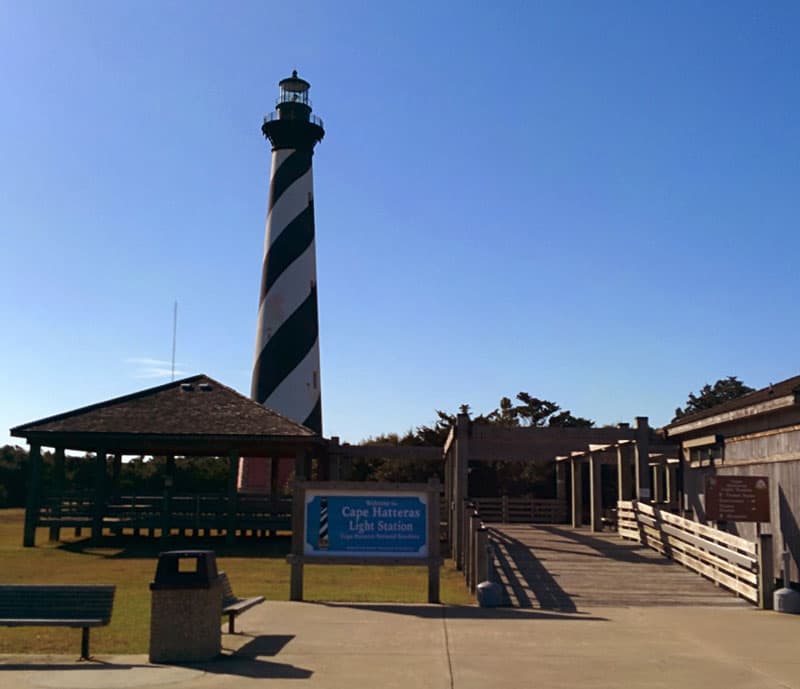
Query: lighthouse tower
x=286, y=370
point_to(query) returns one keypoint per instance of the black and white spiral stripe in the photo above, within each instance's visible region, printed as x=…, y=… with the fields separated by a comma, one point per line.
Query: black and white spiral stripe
x=323, y=521
x=286, y=370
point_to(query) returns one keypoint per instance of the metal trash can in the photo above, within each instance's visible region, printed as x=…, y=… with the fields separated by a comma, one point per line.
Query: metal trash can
x=186, y=607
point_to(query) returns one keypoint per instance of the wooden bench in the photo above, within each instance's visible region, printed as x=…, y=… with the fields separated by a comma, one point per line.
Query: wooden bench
x=57, y=606
x=233, y=606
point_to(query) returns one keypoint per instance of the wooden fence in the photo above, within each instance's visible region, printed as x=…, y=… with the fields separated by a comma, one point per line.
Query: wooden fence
x=147, y=512
x=730, y=561
x=521, y=510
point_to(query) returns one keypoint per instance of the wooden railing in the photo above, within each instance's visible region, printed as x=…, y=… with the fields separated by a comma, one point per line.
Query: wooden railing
x=475, y=558
x=730, y=561
x=521, y=510
x=199, y=511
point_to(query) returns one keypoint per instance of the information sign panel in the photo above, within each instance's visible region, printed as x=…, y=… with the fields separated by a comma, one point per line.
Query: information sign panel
x=366, y=524
x=737, y=498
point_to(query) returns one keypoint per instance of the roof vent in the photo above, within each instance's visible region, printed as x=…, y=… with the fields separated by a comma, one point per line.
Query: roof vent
x=205, y=387
x=187, y=387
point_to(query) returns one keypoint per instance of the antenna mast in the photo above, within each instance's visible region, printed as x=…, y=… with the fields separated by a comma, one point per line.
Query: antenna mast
x=174, y=335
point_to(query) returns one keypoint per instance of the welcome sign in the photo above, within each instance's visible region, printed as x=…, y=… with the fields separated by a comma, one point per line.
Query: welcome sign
x=366, y=524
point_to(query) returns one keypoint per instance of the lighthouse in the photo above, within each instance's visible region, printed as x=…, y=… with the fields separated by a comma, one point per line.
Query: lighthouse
x=286, y=374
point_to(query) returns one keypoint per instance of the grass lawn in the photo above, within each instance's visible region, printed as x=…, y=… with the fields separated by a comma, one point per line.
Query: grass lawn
x=256, y=568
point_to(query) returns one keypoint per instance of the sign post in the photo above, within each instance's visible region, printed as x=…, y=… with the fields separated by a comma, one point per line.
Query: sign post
x=336, y=522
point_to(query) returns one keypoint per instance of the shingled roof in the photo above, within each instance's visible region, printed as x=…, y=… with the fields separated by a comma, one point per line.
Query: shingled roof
x=198, y=408
x=773, y=391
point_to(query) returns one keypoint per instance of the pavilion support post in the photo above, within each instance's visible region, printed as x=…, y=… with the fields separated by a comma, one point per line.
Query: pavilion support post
x=99, y=495
x=34, y=491
x=300, y=472
x=310, y=467
x=345, y=468
x=624, y=482
x=596, y=493
x=166, y=503
x=642, y=459
x=561, y=481
x=230, y=521
x=766, y=576
x=59, y=481
x=322, y=473
x=298, y=529
x=577, y=492
x=333, y=460
x=274, y=474
x=658, y=483
x=116, y=472
x=672, y=484
x=460, y=486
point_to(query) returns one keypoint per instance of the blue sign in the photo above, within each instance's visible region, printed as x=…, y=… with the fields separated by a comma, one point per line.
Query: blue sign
x=364, y=525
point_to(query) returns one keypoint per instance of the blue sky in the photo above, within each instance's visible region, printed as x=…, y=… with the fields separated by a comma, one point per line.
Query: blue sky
x=596, y=203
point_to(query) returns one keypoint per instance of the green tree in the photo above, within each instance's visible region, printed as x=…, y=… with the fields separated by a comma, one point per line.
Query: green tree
x=13, y=474
x=532, y=411
x=711, y=395
x=512, y=478
x=565, y=419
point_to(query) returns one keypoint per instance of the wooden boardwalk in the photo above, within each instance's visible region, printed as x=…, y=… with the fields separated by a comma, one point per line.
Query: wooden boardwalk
x=572, y=570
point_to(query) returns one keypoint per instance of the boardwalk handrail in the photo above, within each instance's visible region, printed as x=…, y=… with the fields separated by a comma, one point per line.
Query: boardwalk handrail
x=522, y=510
x=474, y=560
x=730, y=561
x=472, y=553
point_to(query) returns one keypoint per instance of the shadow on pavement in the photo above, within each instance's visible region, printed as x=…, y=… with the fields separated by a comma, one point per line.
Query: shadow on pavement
x=246, y=661
x=463, y=612
x=266, y=645
x=243, y=666
x=518, y=562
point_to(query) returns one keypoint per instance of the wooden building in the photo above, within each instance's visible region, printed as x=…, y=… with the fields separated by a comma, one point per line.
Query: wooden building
x=755, y=435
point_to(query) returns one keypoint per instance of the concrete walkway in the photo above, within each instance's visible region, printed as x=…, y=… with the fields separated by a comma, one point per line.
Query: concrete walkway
x=342, y=646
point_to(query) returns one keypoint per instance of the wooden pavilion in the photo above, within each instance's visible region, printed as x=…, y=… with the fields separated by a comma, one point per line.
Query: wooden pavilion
x=196, y=416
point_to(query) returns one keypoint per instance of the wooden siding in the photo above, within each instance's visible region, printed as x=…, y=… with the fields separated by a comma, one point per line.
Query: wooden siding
x=775, y=454
x=770, y=446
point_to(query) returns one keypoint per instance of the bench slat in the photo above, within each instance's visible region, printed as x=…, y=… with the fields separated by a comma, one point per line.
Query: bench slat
x=39, y=622
x=47, y=605
x=233, y=606
x=243, y=604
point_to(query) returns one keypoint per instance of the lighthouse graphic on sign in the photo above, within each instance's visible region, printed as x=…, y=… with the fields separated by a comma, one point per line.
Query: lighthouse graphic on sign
x=286, y=374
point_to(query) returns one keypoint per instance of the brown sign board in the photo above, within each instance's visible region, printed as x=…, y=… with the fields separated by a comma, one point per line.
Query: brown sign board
x=737, y=498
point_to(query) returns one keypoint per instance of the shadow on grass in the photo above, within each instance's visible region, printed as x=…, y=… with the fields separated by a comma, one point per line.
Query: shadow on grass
x=465, y=612
x=121, y=547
